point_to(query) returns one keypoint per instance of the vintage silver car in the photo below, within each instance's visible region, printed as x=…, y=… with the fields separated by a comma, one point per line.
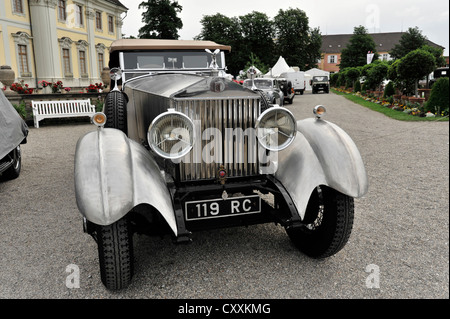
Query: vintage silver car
x=181, y=148
x=269, y=86
x=13, y=133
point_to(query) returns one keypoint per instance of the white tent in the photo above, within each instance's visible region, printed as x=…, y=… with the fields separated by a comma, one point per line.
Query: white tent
x=280, y=67
x=314, y=72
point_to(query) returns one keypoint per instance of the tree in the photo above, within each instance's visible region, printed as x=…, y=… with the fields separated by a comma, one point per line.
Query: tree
x=377, y=74
x=225, y=30
x=161, y=19
x=296, y=42
x=389, y=89
x=439, y=97
x=258, y=32
x=355, y=54
x=256, y=62
x=416, y=65
x=353, y=75
x=411, y=40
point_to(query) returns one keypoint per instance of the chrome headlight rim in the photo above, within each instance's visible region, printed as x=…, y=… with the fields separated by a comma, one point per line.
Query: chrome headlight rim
x=154, y=125
x=115, y=74
x=319, y=111
x=292, y=135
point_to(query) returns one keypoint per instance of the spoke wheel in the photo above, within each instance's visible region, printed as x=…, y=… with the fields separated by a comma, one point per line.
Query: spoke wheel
x=327, y=224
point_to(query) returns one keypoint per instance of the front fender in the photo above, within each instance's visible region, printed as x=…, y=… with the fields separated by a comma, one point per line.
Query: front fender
x=114, y=174
x=321, y=154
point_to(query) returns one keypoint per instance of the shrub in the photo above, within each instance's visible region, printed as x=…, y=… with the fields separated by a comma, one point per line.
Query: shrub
x=21, y=109
x=357, y=87
x=333, y=79
x=389, y=90
x=439, y=97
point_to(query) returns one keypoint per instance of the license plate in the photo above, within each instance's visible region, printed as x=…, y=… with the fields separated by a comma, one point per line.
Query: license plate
x=216, y=208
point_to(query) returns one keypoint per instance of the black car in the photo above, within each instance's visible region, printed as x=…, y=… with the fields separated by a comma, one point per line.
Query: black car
x=13, y=133
x=320, y=83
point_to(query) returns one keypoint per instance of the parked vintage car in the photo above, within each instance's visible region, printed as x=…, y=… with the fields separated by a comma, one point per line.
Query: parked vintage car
x=320, y=83
x=270, y=87
x=179, y=148
x=13, y=133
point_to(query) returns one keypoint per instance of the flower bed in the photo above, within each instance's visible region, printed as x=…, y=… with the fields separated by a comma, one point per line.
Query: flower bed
x=409, y=105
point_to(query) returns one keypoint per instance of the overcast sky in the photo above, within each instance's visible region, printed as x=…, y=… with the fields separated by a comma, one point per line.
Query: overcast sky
x=331, y=16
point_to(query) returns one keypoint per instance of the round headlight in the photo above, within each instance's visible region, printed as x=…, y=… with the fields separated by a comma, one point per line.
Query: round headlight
x=115, y=74
x=276, y=128
x=171, y=135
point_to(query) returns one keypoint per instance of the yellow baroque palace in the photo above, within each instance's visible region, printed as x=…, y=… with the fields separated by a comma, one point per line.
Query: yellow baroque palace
x=58, y=40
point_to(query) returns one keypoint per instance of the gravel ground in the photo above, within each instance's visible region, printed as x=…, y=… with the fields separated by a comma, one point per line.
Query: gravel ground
x=401, y=227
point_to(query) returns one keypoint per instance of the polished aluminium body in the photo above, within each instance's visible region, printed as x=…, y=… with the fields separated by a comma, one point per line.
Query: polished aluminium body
x=121, y=173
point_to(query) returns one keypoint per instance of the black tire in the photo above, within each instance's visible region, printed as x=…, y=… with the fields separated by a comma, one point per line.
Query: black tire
x=14, y=170
x=115, y=111
x=328, y=224
x=301, y=92
x=115, y=251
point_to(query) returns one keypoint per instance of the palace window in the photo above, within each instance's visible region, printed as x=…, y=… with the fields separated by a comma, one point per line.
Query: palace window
x=83, y=69
x=62, y=15
x=23, y=59
x=23, y=46
x=98, y=20
x=110, y=24
x=66, y=61
x=18, y=6
x=79, y=15
x=101, y=63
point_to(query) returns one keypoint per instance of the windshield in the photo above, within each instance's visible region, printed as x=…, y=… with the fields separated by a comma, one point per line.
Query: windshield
x=320, y=78
x=169, y=60
x=259, y=83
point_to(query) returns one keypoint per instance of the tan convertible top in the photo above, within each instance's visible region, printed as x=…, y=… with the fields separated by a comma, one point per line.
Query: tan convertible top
x=157, y=44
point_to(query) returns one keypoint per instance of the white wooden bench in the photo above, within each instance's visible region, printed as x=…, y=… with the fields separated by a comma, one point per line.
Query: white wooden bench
x=58, y=109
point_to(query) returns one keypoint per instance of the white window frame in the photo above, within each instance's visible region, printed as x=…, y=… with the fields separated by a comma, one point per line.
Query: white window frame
x=82, y=46
x=110, y=16
x=66, y=43
x=62, y=19
x=332, y=59
x=79, y=17
x=13, y=8
x=23, y=38
x=101, y=21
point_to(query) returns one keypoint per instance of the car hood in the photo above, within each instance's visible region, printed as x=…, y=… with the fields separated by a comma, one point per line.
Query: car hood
x=13, y=129
x=182, y=86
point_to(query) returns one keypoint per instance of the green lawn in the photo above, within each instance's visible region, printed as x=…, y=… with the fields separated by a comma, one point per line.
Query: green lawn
x=397, y=115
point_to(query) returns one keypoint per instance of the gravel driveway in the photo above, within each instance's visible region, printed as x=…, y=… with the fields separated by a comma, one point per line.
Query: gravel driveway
x=398, y=248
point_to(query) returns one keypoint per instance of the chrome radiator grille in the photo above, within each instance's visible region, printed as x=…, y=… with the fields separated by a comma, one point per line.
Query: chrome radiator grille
x=237, y=153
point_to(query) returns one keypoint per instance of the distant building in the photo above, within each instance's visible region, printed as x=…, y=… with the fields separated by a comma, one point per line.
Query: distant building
x=332, y=46
x=53, y=40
